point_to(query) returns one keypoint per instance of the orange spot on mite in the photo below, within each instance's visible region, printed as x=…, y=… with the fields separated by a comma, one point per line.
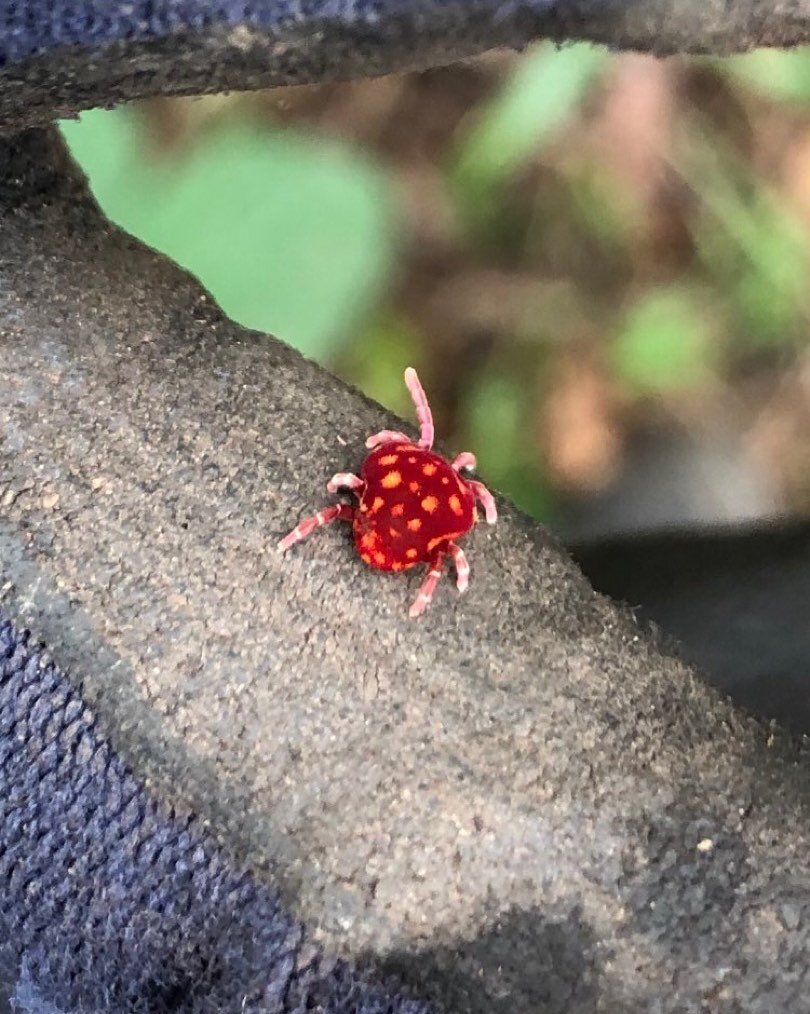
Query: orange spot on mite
x=398, y=510
x=429, y=468
x=412, y=554
x=414, y=524
x=397, y=566
x=363, y=508
x=429, y=504
x=365, y=558
x=455, y=505
x=445, y=480
x=379, y=558
x=368, y=540
x=391, y=480
x=394, y=533
x=414, y=487
x=378, y=502
x=442, y=538
x=412, y=460
x=389, y=459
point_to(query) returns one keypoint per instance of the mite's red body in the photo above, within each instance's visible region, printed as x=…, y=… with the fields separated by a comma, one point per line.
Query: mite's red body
x=413, y=505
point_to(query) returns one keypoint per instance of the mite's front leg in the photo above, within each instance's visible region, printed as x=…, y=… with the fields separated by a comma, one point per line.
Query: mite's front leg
x=387, y=437
x=344, y=480
x=487, y=500
x=464, y=460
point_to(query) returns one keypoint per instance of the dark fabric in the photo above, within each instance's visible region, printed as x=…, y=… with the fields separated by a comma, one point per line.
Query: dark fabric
x=29, y=29
x=61, y=56
x=57, y=56
x=108, y=903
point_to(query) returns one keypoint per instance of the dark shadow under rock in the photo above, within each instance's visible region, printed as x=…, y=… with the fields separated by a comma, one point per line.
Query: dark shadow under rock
x=732, y=602
x=525, y=961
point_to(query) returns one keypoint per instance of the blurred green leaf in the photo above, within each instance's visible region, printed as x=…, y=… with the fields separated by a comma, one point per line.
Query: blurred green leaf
x=494, y=417
x=496, y=427
x=542, y=93
x=663, y=343
x=601, y=203
x=290, y=235
x=376, y=360
x=536, y=100
x=784, y=76
x=758, y=252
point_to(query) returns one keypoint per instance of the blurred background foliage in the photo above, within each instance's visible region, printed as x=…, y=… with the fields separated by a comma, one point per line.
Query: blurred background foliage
x=599, y=264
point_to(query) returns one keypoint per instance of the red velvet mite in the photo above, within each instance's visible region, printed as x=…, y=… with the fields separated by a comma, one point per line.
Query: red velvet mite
x=413, y=505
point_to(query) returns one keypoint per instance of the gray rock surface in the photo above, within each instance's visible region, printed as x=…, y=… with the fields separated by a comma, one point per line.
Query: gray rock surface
x=518, y=802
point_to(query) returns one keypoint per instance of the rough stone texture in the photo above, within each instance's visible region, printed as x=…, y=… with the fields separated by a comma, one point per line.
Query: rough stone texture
x=59, y=56
x=518, y=803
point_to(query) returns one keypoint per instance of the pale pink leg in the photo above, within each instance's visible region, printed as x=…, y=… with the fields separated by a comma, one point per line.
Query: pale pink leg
x=464, y=460
x=344, y=480
x=487, y=500
x=307, y=527
x=461, y=565
x=422, y=600
x=423, y=413
x=387, y=437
